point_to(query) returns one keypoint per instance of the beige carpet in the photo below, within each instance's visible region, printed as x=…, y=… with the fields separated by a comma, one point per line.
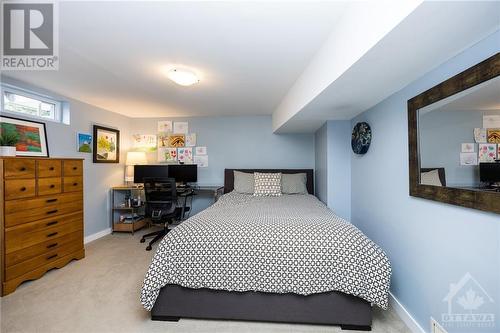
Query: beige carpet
x=101, y=294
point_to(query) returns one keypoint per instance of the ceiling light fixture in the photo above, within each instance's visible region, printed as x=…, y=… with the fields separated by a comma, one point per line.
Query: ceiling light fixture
x=183, y=77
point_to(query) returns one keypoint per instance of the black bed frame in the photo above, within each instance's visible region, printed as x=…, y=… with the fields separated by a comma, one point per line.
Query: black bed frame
x=331, y=308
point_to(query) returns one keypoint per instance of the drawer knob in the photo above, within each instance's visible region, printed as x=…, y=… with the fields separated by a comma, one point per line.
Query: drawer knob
x=52, y=186
x=52, y=234
x=74, y=184
x=22, y=169
x=52, y=211
x=52, y=223
x=74, y=168
x=52, y=256
x=51, y=245
x=51, y=168
x=50, y=200
x=23, y=189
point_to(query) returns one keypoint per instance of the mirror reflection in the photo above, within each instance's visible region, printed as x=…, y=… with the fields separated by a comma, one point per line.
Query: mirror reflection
x=459, y=139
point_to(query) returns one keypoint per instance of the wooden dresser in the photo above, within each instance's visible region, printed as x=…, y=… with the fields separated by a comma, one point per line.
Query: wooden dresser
x=41, y=217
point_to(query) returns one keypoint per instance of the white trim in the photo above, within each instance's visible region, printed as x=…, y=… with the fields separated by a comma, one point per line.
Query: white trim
x=405, y=316
x=97, y=235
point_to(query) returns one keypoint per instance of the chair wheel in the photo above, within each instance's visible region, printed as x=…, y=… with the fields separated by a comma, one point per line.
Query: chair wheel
x=142, y=240
x=148, y=248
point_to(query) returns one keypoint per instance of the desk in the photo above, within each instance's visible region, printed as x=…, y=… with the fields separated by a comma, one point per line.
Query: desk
x=118, y=208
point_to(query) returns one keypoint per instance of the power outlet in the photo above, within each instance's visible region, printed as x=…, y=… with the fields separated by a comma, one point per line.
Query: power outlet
x=436, y=328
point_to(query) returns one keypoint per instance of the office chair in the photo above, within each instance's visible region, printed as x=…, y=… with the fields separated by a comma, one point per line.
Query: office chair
x=161, y=204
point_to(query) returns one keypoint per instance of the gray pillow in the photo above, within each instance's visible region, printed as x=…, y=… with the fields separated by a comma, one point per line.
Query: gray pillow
x=244, y=182
x=295, y=183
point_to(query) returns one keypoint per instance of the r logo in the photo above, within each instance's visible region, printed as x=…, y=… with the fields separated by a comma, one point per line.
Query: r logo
x=28, y=29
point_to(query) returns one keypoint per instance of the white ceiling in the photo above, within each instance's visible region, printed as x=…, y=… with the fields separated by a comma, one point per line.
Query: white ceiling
x=430, y=35
x=248, y=54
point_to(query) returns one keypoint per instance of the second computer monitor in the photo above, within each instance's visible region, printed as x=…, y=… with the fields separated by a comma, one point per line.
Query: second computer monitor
x=183, y=173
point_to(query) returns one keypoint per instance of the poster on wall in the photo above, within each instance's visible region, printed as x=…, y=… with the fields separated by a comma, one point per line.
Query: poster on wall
x=468, y=159
x=468, y=147
x=487, y=152
x=494, y=135
x=181, y=127
x=167, y=155
x=165, y=126
x=106, y=145
x=144, y=142
x=201, y=161
x=480, y=135
x=191, y=140
x=84, y=143
x=201, y=150
x=185, y=155
x=163, y=140
x=176, y=140
x=30, y=137
x=491, y=121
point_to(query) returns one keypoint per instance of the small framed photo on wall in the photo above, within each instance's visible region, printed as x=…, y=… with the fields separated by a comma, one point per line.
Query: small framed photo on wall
x=84, y=143
x=106, y=145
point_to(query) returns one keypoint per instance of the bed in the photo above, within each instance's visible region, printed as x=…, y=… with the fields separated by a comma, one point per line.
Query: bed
x=267, y=259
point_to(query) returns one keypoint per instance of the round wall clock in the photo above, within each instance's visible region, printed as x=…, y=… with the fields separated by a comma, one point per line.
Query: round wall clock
x=361, y=138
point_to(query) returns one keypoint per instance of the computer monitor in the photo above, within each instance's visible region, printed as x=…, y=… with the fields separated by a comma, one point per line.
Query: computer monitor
x=489, y=172
x=183, y=173
x=149, y=171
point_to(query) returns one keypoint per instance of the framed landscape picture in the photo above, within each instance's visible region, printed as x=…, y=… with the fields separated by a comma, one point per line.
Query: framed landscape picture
x=31, y=136
x=106, y=145
x=84, y=143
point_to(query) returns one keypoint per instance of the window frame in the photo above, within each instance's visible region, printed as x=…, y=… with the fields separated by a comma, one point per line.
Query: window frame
x=58, y=105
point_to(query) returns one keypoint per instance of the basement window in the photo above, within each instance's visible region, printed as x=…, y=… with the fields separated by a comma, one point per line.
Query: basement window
x=32, y=105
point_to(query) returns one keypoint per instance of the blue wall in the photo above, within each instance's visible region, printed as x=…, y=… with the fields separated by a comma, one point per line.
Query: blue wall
x=321, y=164
x=237, y=142
x=430, y=244
x=339, y=174
x=333, y=166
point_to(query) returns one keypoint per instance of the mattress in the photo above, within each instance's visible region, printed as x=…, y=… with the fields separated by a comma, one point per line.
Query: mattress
x=285, y=244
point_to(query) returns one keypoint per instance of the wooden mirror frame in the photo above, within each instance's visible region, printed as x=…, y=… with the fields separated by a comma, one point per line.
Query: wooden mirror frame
x=482, y=200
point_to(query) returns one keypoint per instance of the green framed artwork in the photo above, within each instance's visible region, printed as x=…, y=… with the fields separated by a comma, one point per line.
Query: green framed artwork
x=84, y=143
x=106, y=145
x=31, y=136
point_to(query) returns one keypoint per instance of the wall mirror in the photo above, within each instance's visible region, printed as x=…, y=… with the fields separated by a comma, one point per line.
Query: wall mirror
x=454, y=139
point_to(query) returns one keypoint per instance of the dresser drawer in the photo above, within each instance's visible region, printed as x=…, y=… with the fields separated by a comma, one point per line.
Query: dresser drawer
x=23, y=211
x=19, y=168
x=49, y=186
x=41, y=248
x=14, y=271
x=73, y=168
x=19, y=188
x=29, y=234
x=73, y=184
x=49, y=168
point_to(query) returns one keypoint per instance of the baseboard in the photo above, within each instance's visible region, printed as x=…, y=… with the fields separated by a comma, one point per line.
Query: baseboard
x=97, y=235
x=412, y=324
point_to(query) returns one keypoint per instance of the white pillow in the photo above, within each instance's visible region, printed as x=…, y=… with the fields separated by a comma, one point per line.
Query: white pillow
x=430, y=178
x=267, y=184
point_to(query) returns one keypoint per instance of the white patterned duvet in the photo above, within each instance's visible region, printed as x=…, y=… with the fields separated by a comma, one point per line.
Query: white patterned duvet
x=286, y=244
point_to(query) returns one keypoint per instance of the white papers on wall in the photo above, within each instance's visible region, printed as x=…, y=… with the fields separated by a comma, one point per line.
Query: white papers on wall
x=491, y=121
x=185, y=155
x=167, y=155
x=201, y=150
x=201, y=160
x=181, y=127
x=487, y=152
x=144, y=142
x=191, y=140
x=468, y=147
x=468, y=159
x=165, y=126
x=480, y=135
